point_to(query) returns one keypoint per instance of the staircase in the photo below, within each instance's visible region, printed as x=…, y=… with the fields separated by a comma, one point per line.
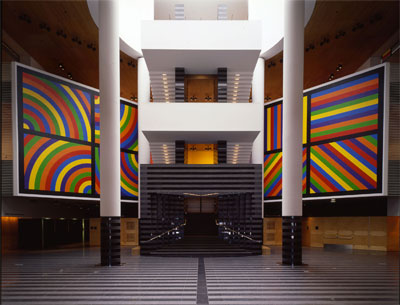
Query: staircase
x=201, y=245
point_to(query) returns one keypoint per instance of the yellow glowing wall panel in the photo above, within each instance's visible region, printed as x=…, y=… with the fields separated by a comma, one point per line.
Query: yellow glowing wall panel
x=200, y=153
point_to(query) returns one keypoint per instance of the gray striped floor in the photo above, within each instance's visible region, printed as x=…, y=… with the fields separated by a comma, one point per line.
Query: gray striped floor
x=72, y=277
x=329, y=278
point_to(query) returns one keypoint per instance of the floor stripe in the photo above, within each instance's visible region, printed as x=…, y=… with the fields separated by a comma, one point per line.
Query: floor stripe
x=202, y=296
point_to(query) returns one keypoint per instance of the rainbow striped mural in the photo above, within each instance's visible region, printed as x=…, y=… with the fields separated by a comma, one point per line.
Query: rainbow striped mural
x=342, y=138
x=346, y=109
x=273, y=127
x=56, y=165
x=59, y=135
x=97, y=119
x=129, y=127
x=273, y=174
x=348, y=165
x=55, y=108
x=129, y=174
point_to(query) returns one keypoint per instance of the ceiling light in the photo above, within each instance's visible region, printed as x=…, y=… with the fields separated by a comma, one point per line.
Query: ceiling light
x=236, y=87
x=236, y=83
x=164, y=74
x=237, y=78
x=237, y=75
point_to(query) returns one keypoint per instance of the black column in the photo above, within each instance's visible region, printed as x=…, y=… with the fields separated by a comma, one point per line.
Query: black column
x=110, y=241
x=179, y=85
x=221, y=147
x=291, y=240
x=179, y=152
x=222, y=85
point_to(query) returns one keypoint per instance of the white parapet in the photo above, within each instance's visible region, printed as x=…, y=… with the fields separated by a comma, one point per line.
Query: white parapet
x=201, y=46
x=200, y=122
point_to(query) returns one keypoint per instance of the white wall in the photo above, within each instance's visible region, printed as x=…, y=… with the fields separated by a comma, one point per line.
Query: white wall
x=200, y=117
x=201, y=35
x=200, y=10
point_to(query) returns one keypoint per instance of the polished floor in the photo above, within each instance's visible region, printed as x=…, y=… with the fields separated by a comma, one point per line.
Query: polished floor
x=71, y=277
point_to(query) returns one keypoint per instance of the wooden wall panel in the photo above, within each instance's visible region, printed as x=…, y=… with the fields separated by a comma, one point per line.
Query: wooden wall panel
x=129, y=232
x=6, y=133
x=378, y=233
x=316, y=231
x=202, y=87
x=272, y=231
x=94, y=233
x=306, y=232
x=9, y=233
x=393, y=233
x=364, y=233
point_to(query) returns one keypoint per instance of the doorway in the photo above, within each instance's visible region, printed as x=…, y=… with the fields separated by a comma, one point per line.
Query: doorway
x=201, y=215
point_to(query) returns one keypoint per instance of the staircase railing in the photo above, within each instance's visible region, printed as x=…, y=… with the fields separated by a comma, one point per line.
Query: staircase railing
x=166, y=232
x=221, y=224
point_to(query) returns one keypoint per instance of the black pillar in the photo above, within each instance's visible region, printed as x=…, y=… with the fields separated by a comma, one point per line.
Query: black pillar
x=291, y=240
x=179, y=85
x=179, y=152
x=222, y=85
x=221, y=148
x=110, y=241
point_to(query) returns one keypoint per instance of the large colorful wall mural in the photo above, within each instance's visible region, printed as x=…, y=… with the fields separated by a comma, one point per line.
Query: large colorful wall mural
x=343, y=138
x=58, y=136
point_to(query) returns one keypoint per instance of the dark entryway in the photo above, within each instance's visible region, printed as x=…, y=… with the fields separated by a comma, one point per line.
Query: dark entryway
x=201, y=216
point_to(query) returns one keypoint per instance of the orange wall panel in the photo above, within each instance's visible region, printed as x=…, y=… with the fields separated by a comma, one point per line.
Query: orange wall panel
x=393, y=233
x=9, y=233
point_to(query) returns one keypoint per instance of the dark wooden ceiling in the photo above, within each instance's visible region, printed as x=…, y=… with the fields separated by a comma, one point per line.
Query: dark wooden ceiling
x=343, y=33
x=63, y=32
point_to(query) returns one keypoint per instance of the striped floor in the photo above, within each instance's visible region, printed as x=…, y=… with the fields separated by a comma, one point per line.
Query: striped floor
x=72, y=277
